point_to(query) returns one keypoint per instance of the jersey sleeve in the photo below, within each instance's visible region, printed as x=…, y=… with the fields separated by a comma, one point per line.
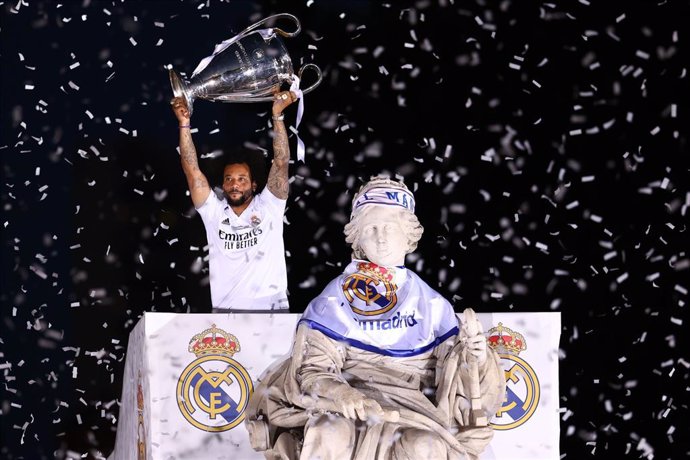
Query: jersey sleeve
x=272, y=202
x=210, y=208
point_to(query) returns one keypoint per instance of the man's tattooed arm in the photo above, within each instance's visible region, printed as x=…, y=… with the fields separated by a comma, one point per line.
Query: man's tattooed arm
x=198, y=185
x=278, y=176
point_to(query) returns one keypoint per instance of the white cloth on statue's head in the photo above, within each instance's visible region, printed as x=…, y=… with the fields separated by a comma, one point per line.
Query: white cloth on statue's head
x=389, y=311
x=382, y=191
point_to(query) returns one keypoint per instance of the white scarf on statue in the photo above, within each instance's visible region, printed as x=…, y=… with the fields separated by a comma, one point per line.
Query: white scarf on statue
x=389, y=311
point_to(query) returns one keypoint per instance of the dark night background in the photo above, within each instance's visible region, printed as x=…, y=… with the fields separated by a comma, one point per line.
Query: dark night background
x=546, y=142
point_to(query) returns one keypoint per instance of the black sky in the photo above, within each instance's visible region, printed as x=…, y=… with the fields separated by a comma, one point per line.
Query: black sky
x=546, y=143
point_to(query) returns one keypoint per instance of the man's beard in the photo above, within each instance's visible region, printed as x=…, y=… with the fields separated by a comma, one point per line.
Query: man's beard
x=239, y=201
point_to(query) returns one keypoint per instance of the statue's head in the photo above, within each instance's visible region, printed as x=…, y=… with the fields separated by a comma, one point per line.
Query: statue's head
x=383, y=227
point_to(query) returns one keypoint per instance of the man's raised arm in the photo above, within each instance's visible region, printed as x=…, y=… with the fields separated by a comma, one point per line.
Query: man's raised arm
x=197, y=182
x=278, y=176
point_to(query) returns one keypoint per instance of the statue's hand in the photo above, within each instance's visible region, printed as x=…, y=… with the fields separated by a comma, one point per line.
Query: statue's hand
x=476, y=346
x=354, y=405
x=472, y=336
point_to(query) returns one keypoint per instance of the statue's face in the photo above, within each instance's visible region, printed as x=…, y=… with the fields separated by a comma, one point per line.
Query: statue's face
x=382, y=238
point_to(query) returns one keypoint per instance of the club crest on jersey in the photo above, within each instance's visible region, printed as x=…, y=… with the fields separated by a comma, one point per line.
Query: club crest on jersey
x=370, y=290
x=522, y=384
x=255, y=220
x=213, y=390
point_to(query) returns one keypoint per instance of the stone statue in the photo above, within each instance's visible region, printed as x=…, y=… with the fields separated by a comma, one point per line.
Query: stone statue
x=380, y=368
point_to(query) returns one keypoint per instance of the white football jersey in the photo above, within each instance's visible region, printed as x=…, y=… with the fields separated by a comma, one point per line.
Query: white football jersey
x=246, y=253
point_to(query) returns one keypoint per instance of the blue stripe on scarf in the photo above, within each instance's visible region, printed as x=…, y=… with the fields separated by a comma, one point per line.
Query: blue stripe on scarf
x=395, y=353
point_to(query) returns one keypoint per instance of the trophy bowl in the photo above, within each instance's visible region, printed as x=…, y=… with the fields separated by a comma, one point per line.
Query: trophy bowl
x=249, y=67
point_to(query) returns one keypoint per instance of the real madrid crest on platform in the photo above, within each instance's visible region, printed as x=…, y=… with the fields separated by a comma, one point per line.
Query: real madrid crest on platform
x=214, y=389
x=522, y=384
x=370, y=291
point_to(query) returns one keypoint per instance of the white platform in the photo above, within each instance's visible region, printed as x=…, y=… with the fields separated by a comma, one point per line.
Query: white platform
x=192, y=407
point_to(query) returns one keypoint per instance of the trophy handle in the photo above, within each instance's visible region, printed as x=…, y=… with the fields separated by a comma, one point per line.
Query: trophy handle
x=319, y=76
x=253, y=98
x=277, y=30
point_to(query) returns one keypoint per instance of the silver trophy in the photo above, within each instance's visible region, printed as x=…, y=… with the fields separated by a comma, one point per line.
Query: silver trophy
x=249, y=67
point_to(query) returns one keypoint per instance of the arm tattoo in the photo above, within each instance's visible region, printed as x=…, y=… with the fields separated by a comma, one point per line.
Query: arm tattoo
x=278, y=176
x=188, y=152
x=196, y=181
x=200, y=183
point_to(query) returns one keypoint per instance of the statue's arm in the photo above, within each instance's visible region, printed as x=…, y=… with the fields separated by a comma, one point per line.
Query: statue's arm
x=491, y=384
x=319, y=361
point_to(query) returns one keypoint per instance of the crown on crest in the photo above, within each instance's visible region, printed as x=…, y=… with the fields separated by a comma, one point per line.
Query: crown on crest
x=504, y=340
x=214, y=341
x=376, y=271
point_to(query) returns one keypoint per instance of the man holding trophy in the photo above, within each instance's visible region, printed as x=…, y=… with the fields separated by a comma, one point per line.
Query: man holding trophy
x=245, y=230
